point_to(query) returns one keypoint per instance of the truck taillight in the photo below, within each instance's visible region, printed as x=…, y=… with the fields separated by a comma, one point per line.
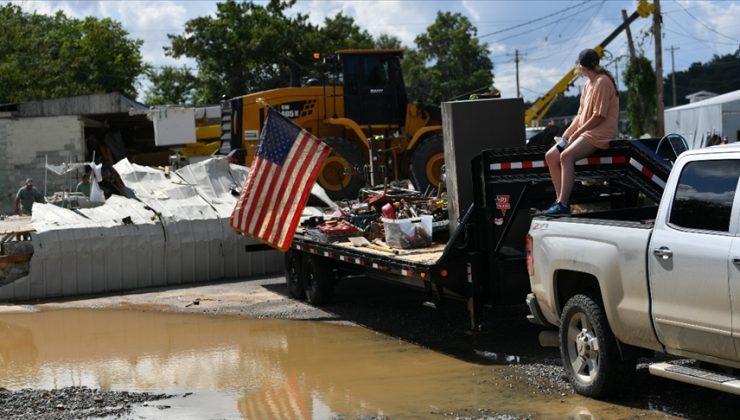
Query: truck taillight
x=530, y=259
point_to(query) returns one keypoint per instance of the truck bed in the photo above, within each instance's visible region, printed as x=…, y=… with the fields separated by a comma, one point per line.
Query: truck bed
x=639, y=217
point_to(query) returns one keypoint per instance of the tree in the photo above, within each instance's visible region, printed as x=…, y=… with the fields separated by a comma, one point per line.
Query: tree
x=719, y=75
x=387, y=41
x=244, y=48
x=639, y=77
x=171, y=85
x=449, y=61
x=57, y=56
x=341, y=32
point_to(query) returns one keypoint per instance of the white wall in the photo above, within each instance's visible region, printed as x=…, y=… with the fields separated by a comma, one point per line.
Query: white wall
x=23, y=144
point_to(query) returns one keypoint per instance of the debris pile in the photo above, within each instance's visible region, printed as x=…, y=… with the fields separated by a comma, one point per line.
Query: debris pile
x=384, y=219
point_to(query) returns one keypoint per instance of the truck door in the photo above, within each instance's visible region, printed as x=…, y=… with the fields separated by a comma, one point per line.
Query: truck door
x=689, y=259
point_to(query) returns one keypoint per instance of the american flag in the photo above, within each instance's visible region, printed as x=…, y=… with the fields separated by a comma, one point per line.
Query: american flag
x=279, y=182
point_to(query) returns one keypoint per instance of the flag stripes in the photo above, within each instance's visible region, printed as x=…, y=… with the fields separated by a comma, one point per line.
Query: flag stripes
x=279, y=182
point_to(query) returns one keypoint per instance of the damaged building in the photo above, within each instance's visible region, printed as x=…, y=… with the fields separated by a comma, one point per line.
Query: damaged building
x=57, y=131
x=171, y=228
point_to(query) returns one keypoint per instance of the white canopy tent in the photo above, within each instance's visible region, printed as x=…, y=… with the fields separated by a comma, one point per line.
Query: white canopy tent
x=699, y=120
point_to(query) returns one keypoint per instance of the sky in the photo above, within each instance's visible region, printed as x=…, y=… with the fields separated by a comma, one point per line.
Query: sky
x=547, y=35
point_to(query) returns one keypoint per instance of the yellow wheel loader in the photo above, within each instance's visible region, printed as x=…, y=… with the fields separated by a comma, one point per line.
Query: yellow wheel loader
x=363, y=114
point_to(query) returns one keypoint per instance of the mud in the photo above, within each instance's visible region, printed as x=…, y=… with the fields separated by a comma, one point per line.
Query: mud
x=257, y=368
x=243, y=350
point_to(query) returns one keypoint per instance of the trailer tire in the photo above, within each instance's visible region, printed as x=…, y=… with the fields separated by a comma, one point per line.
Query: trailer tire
x=427, y=160
x=318, y=280
x=589, y=350
x=341, y=173
x=293, y=277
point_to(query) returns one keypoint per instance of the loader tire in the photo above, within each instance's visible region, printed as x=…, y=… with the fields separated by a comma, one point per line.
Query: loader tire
x=341, y=173
x=427, y=161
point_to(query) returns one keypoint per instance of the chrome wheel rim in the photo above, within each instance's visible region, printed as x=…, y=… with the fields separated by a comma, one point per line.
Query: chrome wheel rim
x=583, y=348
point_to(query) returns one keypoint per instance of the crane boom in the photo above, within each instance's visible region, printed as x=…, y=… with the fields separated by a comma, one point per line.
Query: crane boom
x=540, y=107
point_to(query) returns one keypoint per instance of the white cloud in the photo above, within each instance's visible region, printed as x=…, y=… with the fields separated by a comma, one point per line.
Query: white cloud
x=402, y=19
x=721, y=17
x=50, y=8
x=471, y=9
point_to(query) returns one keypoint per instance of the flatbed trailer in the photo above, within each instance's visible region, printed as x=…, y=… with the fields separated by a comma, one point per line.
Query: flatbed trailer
x=484, y=260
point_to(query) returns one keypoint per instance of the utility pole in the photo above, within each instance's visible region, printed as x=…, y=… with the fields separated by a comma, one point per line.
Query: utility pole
x=630, y=44
x=673, y=71
x=657, y=33
x=516, y=61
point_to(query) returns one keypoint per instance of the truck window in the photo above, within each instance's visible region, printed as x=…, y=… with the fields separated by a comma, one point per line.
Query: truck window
x=704, y=196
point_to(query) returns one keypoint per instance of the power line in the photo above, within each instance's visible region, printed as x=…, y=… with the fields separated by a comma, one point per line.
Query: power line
x=517, y=26
x=705, y=25
x=527, y=32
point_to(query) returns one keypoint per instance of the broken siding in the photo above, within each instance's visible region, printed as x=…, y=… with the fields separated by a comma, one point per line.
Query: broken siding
x=175, y=231
x=24, y=144
x=92, y=251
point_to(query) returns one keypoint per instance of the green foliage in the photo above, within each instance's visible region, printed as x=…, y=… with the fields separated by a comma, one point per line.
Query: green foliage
x=341, y=32
x=450, y=61
x=639, y=77
x=57, y=56
x=171, y=85
x=719, y=75
x=247, y=47
x=387, y=41
x=244, y=48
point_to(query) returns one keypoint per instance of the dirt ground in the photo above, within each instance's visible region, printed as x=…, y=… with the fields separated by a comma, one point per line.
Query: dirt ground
x=397, y=311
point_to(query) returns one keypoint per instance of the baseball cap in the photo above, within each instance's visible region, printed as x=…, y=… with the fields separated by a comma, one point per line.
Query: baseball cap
x=588, y=58
x=29, y=181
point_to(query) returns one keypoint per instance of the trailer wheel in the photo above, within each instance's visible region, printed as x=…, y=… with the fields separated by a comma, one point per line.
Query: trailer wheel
x=341, y=173
x=318, y=280
x=293, y=276
x=427, y=161
x=589, y=350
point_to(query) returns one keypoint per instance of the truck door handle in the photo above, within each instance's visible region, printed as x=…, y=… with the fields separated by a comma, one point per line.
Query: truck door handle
x=663, y=252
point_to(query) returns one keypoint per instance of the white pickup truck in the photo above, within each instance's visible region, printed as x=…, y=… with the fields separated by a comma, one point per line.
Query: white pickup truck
x=662, y=279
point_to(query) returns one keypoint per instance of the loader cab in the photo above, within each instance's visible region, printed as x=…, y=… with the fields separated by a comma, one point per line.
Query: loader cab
x=374, y=91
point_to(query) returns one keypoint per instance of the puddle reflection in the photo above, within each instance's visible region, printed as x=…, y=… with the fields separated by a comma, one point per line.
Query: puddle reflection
x=238, y=367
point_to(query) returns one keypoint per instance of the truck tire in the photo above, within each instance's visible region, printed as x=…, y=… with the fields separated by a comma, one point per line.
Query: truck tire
x=427, y=160
x=341, y=173
x=589, y=350
x=318, y=281
x=293, y=277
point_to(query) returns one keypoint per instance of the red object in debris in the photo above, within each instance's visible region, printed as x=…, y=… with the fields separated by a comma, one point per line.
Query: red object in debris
x=388, y=211
x=338, y=228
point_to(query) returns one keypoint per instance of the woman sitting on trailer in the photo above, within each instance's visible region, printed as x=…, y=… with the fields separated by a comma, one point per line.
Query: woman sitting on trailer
x=593, y=128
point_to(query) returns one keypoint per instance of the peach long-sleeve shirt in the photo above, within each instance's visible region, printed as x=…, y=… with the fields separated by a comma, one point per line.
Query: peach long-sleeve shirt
x=599, y=98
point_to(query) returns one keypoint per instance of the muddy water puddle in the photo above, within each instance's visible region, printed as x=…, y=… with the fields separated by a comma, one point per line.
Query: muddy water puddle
x=263, y=369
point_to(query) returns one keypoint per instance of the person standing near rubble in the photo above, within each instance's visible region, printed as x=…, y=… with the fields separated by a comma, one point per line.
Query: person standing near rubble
x=593, y=128
x=84, y=185
x=25, y=198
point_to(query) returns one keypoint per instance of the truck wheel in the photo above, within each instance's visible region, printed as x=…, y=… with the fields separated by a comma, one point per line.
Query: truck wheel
x=318, y=280
x=589, y=350
x=293, y=274
x=341, y=173
x=427, y=161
